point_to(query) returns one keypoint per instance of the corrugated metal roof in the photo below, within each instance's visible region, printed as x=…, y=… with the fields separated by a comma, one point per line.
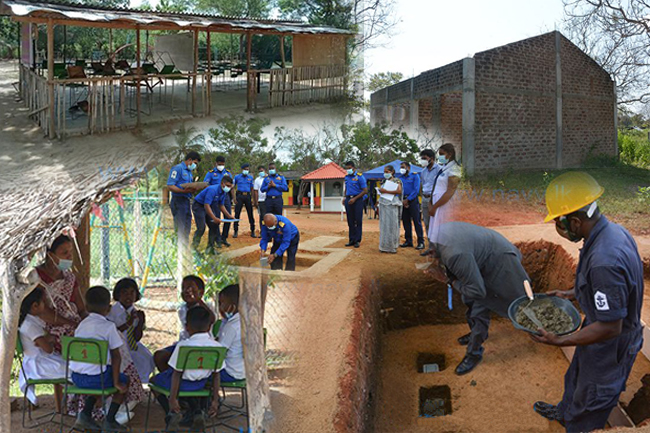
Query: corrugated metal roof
x=103, y=14
x=328, y=171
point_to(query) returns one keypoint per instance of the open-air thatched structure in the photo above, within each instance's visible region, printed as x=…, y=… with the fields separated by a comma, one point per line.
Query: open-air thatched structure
x=44, y=190
x=317, y=71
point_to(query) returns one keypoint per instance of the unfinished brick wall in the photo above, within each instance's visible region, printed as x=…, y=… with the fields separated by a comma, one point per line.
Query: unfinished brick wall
x=451, y=120
x=425, y=114
x=515, y=106
x=587, y=107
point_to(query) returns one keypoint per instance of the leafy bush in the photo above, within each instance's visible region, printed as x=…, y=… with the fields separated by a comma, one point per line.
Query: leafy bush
x=634, y=148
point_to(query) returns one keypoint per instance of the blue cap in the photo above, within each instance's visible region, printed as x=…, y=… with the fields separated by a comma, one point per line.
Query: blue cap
x=245, y=165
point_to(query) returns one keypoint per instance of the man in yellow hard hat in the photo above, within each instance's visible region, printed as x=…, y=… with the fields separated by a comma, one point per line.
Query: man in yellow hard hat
x=609, y=289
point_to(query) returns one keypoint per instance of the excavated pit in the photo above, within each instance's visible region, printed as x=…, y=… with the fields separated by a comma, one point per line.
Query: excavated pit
x=435, y=401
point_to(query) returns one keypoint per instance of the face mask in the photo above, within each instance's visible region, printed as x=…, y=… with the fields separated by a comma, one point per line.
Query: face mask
x=424, y=162
x=442, y=160
x=221, y=167
x=271, y=228
x=192, y=166
x=245, y=172
x=229, y=315
x=350, y=171
x=226, y=189
x=402, y=170
x=272, y=171
x=261, y=174
x=63, y=264
x=387, y=175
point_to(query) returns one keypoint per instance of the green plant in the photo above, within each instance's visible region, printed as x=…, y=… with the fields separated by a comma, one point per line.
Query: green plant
x=643, y=194
x=216, y=271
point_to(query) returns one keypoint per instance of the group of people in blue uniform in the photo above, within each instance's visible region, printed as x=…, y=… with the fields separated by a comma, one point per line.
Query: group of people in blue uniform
x=212, y=207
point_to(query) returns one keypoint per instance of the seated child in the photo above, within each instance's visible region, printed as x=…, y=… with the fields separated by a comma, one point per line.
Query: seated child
x=230, y=334
x=198, y=326
x=39, y=359
x=130, y=322
x=192, y=293
x=96, y=326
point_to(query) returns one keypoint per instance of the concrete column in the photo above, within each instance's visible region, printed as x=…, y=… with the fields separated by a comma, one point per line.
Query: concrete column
x=558, y=102
x=322, y=196
x=312, y=198
x=469, y=114
x=413, y=110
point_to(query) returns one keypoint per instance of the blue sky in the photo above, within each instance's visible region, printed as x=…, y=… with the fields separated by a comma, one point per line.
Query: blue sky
x=433, y=33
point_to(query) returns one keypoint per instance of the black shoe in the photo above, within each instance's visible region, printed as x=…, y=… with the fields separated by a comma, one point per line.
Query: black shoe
x=548, y=411
x=253, y=235
x=357, y=244
x=234, y=235
x=198, y=422
x=349, y=244
x=187, y=420
x=464, y=340
x=173, y=421
x=406, y=245
x=424, y=253
x=85, y=422
x=225, y=243
x=468, y=364
x=219, y=245
x=420, y=246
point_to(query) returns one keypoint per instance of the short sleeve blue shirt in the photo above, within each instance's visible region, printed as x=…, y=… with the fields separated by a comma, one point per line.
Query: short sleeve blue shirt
x=214, y=176
x=179, y=175
x=244, y=182
x=411, y=184
x=354, y=184
x=211, y=195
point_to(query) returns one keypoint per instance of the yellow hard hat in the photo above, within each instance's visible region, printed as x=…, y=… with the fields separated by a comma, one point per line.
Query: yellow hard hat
x=569, y=192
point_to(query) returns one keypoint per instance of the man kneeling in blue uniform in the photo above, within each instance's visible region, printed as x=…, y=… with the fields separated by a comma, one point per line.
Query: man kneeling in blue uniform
x=285, y=237
x=609, y=289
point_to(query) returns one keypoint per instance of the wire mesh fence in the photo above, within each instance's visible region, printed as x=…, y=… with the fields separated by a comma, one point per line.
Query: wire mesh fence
x=133, y=236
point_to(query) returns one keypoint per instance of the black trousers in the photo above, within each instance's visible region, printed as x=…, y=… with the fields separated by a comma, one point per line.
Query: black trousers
x=291, y=255
x=274, y=204
x=412, y=214
x=244, y=200
x=261, y=207
x=226, y=226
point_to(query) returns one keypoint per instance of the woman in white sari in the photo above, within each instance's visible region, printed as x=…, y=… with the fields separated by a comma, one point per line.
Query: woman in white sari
x=390, y=212
x=442, y=207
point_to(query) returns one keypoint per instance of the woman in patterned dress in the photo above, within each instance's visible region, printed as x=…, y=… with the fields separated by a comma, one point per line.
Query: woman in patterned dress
x=390, y=212
x=66, y=309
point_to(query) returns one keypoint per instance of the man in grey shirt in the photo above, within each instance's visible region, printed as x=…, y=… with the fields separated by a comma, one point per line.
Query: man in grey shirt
x=486, y=269
x=427, y=179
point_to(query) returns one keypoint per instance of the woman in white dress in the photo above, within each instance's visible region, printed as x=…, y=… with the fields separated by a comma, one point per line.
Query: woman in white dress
x=40, y=361
x=442, y=207
x=130, y=322
x=390, y=211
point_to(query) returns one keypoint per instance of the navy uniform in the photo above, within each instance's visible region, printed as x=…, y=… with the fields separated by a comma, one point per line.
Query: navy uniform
x=608, y=287
x=286, y=237
x=274, y=194
x=411, y=185
x=180, y=202
x=244, y=184
x=213, y=177
x=213, y=196
x=355, y=183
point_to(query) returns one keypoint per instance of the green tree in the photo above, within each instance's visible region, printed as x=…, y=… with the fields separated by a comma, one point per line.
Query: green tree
x=238, y=8
x=378, y=144
x=383, y=79
x=240, y=140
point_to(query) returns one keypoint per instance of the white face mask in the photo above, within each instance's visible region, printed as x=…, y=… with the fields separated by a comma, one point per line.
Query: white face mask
x=62, y=264
x=271, y=228
x=226, y=189
x=221, y=167
x=387, y=175
x=350, y=171
x=424, y=162
x=402, y=170
x=245, y=172
x=261, y=174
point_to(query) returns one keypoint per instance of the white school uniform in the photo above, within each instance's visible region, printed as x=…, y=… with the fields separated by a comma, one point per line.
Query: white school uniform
x=37, y=364
x=182, y=317
x=446, y=212
x=230, y=336
x=142, y=357
x=100, y=328
x=201, y=339
x=257, y=185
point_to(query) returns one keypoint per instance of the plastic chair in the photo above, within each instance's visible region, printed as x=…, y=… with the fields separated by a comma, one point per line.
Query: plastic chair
x=33, y=383
x=89, y=351
x=192, y=358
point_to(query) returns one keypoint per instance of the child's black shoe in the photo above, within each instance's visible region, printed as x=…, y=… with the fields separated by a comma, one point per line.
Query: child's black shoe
x=85, y=422
x=173, y=421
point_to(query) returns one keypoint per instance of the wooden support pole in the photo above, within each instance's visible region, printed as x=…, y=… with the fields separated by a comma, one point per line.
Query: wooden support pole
x=209, y=80
x=82, y=270
x=249, y=82
x=282, y=55
x=50, y=75
x=137, y=81
x=196, y=61
x=257, y=386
